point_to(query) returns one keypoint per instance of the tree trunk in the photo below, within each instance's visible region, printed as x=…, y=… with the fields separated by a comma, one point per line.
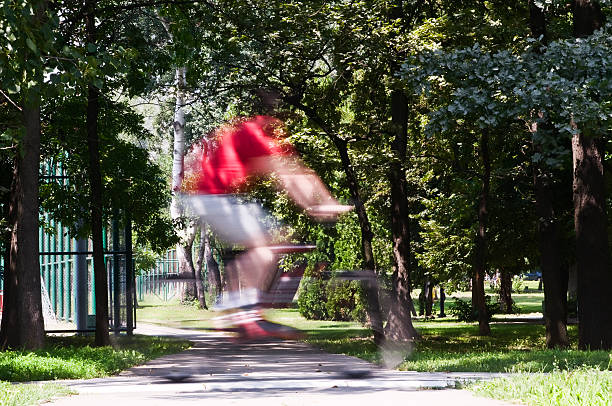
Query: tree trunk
x=214, y=276
x=592, y=256
x=590, y=220
x=374, y=314
x=399, y=326
x=554, y=276
x=95, y=182
x=364, y=223
x=428, y=288
x=8, y=328
x=505, y=291
x=442, y=302
x=24, y=326
x=184, y=247
x=537, y=22
x=480, y=263
x=178, y=151
x=199, y=270
x=554, y=269
x=185, y=263
x=587, y=18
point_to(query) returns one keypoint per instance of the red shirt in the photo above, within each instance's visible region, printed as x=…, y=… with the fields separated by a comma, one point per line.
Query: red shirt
x=229, y=164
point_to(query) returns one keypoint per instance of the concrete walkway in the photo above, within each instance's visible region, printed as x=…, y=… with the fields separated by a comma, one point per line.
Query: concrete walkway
x=265, y=373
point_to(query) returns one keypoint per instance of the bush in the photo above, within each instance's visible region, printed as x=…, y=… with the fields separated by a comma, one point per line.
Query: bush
x=345, y=301
x=332, y=300
x=464, y=312
x=518, y=284
x=312, y=299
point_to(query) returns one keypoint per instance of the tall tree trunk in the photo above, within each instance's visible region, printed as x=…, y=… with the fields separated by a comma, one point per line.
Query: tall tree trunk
x=505, y=291
x=399, y=326
x=95, y=182
x=214, y=276
x=9, y=329
x=480, y=263
x=178, y=151
x=184, y=247
x=24, y=326
x=199, y=270
x=592, y=256
x=554, y=275
x=590, y=219
x=554, y=269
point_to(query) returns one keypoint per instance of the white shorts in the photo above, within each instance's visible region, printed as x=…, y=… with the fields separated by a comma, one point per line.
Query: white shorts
x=232, y=219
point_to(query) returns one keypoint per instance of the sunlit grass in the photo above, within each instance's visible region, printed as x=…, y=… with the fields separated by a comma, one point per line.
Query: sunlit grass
x=581, y=386
x=74, y=357
x=29, y=394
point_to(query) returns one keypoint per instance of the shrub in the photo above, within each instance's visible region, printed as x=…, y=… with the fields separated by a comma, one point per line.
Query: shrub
x=345, y=301
x=464, y=312
x=312, y=299
x=332, y=299
x=518, y=284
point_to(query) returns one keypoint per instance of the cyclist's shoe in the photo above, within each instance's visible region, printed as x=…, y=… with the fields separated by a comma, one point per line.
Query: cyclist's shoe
x=262, y=329
x=248, y=325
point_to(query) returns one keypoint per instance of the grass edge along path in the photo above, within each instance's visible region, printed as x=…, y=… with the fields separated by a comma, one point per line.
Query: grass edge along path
x=30, y=394
x=73, y=357
x=582, y=386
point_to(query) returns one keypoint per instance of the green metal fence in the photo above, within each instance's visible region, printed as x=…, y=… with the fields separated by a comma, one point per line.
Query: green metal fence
x=163, y=282
x=66, y=268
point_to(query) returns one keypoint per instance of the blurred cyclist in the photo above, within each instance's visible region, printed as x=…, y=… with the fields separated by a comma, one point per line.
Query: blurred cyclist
x=211, y=179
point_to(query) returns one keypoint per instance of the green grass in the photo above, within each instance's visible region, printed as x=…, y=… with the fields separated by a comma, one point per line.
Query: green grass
x=74, y=358
x=31, y=394
x=173, y=314
x=582, y=386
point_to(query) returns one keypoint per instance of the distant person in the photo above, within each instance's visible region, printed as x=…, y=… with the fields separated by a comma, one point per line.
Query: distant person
x=212, y=178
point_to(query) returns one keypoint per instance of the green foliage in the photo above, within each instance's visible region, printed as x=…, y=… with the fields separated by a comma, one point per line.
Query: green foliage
x=463, y=310
x=566, y=84
x=131, y=181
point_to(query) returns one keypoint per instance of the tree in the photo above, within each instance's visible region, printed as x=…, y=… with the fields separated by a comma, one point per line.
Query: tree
x=399, y=326
x=592, y=250
x=552, y=262
x=95, y=183
x=22, y=63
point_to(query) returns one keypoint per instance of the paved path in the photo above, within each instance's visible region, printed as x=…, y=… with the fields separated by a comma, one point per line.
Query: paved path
x=266, y=373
